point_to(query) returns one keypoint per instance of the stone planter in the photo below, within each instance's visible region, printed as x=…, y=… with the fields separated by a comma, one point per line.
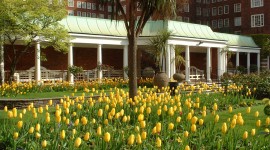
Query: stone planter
x=179, y=77
x=161, y=80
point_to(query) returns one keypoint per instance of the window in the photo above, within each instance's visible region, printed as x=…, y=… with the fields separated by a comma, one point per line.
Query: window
x=186, y=7
x=237, y=7
x=198, y=21
x=79, y=4
x=220, y=10
x=214, y=24
x=256, y=3
x=214, y=11
x=84, y=5
x=88, y=14
x=219, y=0
x=205, y=12
x=101, y=7
x=257, y=20
x=70, y=12
x=138, y=7
x=94, y=15
x=79, y=13
x=237, y=32
x=88, y=5
x=237, y=21
x=213, y=1
x=84, y=14
x=198, y=1
x=226, y=9
x=70, y=3
x=101, y=15
x=220, y=23
x=94, y=6
x=226, y=22
x=179, y=18
x=198, y=11
x=109, y=8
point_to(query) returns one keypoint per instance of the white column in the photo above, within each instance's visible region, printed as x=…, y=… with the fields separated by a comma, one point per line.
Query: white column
x=237, y=59
x=70, y=63
x=2, y=69
x=125, y=60
x=258, y=63
x=219, y=60
x=173, y=69
x=168, y=59
x=99, y=60
x=267, y=62
x=226, y=61
x=187, y=68
x=208, y=64
x=37, y=63
x=248, y=63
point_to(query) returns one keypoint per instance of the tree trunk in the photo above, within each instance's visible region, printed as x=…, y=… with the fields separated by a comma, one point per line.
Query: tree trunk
x=132, y=63
x=2, y=70
x=12, y=70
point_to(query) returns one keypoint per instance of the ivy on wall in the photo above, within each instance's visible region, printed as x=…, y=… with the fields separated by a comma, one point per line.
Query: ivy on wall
x=263, y=41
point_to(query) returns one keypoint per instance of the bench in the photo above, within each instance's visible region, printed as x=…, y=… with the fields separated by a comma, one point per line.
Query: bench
x=46, y=75
x=196, y=74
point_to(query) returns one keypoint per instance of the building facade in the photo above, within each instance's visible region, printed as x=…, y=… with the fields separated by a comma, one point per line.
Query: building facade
x=227, y=16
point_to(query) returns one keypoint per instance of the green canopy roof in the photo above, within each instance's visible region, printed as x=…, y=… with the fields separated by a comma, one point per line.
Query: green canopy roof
x=97, y=26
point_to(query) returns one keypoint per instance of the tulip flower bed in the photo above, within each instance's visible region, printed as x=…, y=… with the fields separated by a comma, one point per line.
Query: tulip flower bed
x=190, y=120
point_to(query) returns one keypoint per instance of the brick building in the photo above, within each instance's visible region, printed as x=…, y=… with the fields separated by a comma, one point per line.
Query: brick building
x=228, y=16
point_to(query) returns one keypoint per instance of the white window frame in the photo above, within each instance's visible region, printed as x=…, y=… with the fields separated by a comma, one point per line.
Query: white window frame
x=226, y=22
x=101, y=15
x=237, y=21
x=109, y=8
x=71, y=12
x=79, y=4
x=220, y=10
x=186, y=7
x=257, y=20
x=220, y=23
x=79, y=13
x=84, y=5
x=89, y=14
x=83, y=14
x=101, y=7
x=186, y=19
x=256, y=3
x=198, y=11
x=214, y=11
x=70, y=3
x=237, y=7
x=226, y=9
x=88, y=5
x=94, y=15
x=213, y=1
x=94, y=6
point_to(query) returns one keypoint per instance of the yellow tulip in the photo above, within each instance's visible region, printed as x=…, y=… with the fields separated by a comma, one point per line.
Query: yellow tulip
x=58, y=119
x=187, y=147
x=159, y=112
x=78, y=142
x=148, y=110
x=63, y=134
x=86, y=136
x=20, y=124
x=50, y=102
x=5, y=108
x=154, y=130
x=178, y=119
x=48, y=119
x=84, y=121
x=140, y=117
x=204, y=113
x=37, y=127
x=20, y=115
x=258, y=123
x=44, y=143
x=216, y=118
x=233, y=123
x=245, y=135
x=186, y=133
x=267, y=121
x=204, y=108
x=99, y=131
x=194, y=120
x=158, y=127
x=201, y=122
x=100, y=112
x=76, y=123
x=31, y=130
x=142, y=124
x=138, y=139
x=74, y=131
x=158, y=142
x=230, y=109
x=253, y=132
x=193, y=128
x=171, y=126
x=267, y=130
x=215, y=107
x=256, y=114
x=171, y=111
x=106, y=121
x=38, y=135
x=224, y=128
x=107, y=137
x=131, y=139
x=15, y=135
x=248, y=110
x=189, y=116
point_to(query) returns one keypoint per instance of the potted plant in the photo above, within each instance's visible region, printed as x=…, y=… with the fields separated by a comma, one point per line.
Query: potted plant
x=179, y=61
x=158, y=48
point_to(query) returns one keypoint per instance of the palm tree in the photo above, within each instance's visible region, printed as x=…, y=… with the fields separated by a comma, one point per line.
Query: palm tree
x=134, y=26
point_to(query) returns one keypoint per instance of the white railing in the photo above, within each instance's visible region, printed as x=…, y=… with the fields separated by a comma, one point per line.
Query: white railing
x=196, y=73
x=60, y=75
